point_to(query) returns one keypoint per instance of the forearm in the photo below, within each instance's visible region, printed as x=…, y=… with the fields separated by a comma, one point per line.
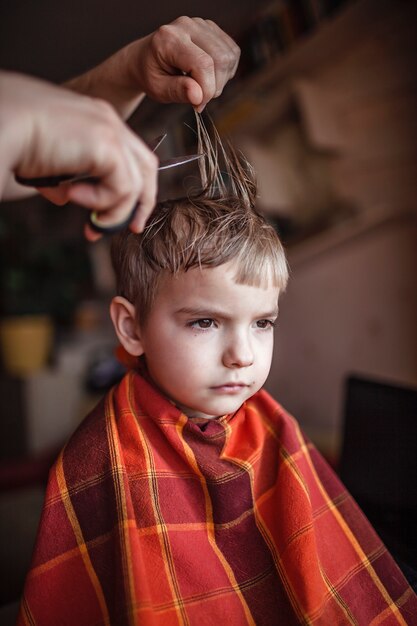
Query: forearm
x=115, y=80
x=14, y=135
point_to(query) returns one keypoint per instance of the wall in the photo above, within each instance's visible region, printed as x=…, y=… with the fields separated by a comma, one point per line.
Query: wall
x=351, y=307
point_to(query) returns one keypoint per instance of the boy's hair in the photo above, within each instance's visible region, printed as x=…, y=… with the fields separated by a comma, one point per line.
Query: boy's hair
x=204, y=229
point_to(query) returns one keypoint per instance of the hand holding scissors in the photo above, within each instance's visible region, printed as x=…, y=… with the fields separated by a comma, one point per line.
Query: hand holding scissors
x=95, y=223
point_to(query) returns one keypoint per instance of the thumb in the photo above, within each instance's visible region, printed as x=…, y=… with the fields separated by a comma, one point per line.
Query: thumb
x=183, y=89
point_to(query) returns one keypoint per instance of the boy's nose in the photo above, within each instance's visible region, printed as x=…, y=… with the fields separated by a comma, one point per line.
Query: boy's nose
x=238, y=353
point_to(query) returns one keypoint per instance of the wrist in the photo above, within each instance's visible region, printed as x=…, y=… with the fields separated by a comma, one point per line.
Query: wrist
x=131, y=64
x=14, y=119
x=117, y=80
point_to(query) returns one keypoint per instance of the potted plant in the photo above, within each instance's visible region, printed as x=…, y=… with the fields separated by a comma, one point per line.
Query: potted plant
x=41, y=278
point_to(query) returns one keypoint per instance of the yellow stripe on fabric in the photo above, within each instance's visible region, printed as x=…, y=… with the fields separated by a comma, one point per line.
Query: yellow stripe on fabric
x=160, y=525
x=82, y=486
x=209, y=517
x=290, y=461
x=344, y=580
x=336, y=595
x=65, y=556
x=215, y=593
x=401, y=601
x=306, y=528
x=287, y=458
x=142, y=532
x=348, y=533
x=291, y=593
x=72, y=517
x=118, y=481
x=272, y=548
x=26, y=613
x=161, y=473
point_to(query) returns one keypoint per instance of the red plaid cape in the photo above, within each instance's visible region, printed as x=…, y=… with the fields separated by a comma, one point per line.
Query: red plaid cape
x=151, y=518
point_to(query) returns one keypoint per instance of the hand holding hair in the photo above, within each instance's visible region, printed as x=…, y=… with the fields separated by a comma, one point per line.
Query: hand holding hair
x=189, y=60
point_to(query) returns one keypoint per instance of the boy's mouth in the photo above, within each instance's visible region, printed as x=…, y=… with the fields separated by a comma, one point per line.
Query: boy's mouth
x=230, y=387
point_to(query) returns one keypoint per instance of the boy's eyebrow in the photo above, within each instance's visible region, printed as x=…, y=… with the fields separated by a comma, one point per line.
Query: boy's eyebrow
x=209, y=312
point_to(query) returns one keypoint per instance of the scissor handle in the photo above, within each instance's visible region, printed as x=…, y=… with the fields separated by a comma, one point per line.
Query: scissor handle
x=93, y=218
x=109, y=229
x=54, y=181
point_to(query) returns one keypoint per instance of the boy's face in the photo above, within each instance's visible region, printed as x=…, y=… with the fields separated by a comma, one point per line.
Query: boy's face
x=208, y=341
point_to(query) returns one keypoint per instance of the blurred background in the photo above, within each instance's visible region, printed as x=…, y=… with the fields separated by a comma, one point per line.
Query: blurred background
x=324, y=105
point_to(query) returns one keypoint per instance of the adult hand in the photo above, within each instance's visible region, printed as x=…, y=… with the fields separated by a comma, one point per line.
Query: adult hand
x=189, y=60
x=47, y=130
x=192, y=46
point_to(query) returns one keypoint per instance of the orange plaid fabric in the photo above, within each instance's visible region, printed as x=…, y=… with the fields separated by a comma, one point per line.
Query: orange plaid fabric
x=154, y=519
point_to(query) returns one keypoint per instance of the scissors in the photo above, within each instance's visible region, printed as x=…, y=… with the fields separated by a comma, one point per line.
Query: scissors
x=93, y=219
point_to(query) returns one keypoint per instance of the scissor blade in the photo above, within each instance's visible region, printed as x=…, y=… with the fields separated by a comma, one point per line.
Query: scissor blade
x=155, y=143
x=176, y=161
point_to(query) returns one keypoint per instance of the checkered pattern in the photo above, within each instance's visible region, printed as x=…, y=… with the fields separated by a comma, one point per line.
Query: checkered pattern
x=157, y=520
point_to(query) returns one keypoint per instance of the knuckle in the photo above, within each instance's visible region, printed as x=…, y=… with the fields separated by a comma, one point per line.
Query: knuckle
x=224, y=58
x=235, y=53
x=107, y=142
x=205, y=62
x=102, y=151
x=166, y=37
x=163, y=32
x=152, y=162
x=106, y=110
x=184, y=21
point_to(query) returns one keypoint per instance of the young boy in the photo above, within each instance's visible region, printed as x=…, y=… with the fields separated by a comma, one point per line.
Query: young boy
x=189, y=496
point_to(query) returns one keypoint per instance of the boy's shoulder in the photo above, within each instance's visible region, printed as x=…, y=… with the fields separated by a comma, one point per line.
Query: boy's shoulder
x=112, y=425
x=88, y=451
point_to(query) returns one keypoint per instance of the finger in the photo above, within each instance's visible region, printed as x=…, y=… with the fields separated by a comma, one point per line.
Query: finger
x=119, y=182
x=181, y=89
x=199, y=84
x=56, y=195
x=90, y=234
x=120, y=190
x=103, y=197
x=147, y=200
x=231, y=45
x=223, y=51
x=144, y=164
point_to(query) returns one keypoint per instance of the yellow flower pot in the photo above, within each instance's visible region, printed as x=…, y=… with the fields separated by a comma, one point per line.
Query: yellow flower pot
x=26, y=343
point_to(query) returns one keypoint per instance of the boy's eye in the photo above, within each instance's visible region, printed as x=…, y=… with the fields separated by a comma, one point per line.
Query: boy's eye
x=265, y=324
x=203, y=323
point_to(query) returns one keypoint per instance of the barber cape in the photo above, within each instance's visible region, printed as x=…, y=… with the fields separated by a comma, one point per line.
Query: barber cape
x=155, y=519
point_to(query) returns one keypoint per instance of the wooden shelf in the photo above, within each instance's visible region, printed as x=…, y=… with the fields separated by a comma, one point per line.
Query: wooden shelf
x=250, y=105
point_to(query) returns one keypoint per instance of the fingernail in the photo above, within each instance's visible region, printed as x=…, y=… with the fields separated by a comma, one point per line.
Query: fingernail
x=137, y=228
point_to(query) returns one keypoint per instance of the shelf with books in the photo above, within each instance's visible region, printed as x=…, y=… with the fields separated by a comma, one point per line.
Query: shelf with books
x=280, y=25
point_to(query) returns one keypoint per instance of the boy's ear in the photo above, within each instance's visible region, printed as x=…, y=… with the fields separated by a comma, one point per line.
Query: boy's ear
x=122, y=313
